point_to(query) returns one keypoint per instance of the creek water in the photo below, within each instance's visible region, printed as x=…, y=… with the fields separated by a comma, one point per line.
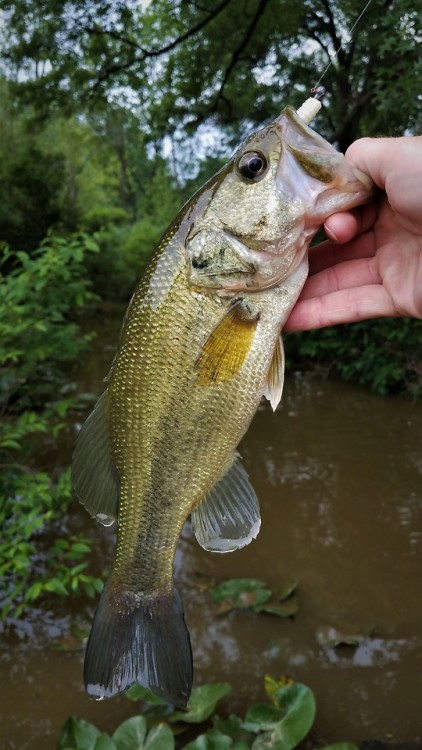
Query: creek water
x=338, y=474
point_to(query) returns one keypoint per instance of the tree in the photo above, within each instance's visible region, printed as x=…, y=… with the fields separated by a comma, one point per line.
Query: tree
x=234, y=61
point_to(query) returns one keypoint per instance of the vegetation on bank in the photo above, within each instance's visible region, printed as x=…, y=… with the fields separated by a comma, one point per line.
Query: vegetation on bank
x=39, y=344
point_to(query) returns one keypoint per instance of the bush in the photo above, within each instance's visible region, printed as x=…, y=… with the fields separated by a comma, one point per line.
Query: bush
x=38, y=342
x=383, y=354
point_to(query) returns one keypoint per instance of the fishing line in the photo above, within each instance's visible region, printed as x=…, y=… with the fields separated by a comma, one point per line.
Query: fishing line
x=342, y=44
x=311, y=106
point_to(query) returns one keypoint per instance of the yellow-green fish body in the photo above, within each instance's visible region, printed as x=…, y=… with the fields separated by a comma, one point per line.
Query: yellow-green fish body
x=199, y=348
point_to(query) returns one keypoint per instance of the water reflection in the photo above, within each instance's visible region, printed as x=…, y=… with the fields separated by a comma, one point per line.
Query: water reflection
x=338, y=475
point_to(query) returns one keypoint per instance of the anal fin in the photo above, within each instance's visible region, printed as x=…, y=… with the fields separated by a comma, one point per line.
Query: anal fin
x=94, y=475
x=228, y=518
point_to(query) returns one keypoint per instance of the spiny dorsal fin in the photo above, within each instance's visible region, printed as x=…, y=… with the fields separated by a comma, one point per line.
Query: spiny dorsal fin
x=228, y=518
x=94, y=475
x=227, y=347
x=275, y=378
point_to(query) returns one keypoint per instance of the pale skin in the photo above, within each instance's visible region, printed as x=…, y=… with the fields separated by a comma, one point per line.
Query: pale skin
x=371, y=264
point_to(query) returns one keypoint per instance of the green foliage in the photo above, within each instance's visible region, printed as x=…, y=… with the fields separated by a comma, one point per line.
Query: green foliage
x=281, y=724
x=126, y=248
x=37, y=340
x=249, y=593
x=185, y=71
x=30, y=565
x=38, y=343
x=78, y=734
x=202, y=703
x=382, y=354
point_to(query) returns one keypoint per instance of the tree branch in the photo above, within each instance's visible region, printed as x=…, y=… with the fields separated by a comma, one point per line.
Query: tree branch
x=149, y=53
x=238, y=51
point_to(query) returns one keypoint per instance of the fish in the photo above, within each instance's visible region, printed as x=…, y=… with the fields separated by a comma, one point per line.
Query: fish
x=199, y=348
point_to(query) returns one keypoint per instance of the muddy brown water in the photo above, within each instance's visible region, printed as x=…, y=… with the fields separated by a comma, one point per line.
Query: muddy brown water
x=338, y=474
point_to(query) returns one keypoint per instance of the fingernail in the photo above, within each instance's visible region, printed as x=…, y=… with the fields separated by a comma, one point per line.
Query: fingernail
x=330, y=234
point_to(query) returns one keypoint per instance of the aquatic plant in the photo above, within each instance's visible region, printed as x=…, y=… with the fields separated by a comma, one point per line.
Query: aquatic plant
x=281, y=723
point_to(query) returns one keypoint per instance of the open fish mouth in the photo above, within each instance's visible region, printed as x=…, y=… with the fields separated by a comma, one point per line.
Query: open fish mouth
x=313, y=171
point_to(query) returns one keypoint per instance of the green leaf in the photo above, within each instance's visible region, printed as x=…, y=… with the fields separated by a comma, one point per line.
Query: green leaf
x=286, y=591
x=286, y=608
x=202, y=703
x=81, y=547
x=213, y=739
x=341, y=746
x=79, y=734
x=55, y=586
x=297, y=702
x=160, y=738
x=234, y=728
x=131, y=734
x=139, y=693
x=34, y=591
x=104, y=742
x=261, y=718
x=240, y=593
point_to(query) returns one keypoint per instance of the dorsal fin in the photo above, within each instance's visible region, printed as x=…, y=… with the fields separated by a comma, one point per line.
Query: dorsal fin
x=228, y=518
x=94, y=475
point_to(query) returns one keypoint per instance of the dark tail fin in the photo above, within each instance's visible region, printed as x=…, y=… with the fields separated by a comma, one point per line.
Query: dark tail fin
x=139, y=639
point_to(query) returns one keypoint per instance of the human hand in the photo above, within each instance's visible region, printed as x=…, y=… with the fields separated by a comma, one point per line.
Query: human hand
x=371, y=266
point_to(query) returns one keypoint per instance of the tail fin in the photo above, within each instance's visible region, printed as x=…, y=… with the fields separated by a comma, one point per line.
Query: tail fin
x=139, y=639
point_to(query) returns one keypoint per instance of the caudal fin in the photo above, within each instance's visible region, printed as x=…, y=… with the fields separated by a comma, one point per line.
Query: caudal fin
x=139, y=639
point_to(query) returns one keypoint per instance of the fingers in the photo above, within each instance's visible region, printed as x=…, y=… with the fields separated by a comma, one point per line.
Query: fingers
x=345, y=275
x=345, y=306
x=374, y=156
x=341, y=227
x=328, y=254
x=395, y=165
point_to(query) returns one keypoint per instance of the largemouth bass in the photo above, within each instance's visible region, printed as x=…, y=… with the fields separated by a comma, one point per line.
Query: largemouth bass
x=200, y=346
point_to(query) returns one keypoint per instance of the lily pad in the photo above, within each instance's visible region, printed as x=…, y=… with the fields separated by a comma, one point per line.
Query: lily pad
x=272, y=686
x=240, y=593
x=297, y=704
x=287, y=608
x=262, y=717
x=202, y=703
x=286, y=591
x=234, y=727
x=79, y=734
x=213, y=739
x=132, y=735
x=139, y=693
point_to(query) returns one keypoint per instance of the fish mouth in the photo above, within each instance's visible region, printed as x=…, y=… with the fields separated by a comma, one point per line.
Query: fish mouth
x=312, y=170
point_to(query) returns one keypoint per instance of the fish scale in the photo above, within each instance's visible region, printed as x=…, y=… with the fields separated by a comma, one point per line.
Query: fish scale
x=200, y=346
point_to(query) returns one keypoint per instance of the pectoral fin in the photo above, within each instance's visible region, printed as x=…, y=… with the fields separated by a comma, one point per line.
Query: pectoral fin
x=228, y=518
x=94, y=475
x=275, y=378
x=226, y=349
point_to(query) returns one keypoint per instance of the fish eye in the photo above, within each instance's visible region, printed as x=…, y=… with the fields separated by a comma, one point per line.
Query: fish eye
x=252, y=166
